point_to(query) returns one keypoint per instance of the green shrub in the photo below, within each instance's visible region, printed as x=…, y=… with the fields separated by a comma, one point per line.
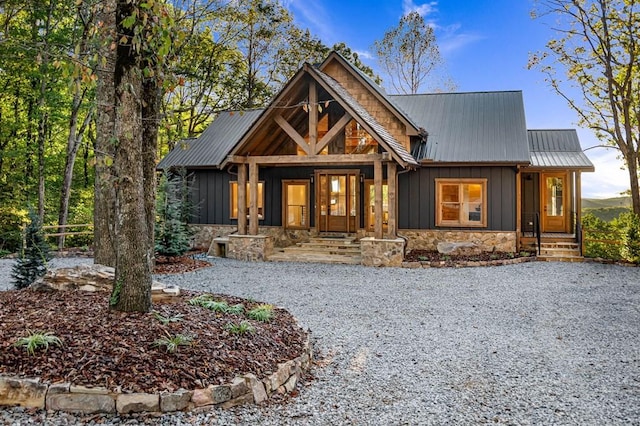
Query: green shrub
x=236, y=309
x=243, y=327
x=262, y=313
x=172, y=343
x=630, y=249
x=33, y=257
x=172, y=237
x=166, y=320
x=36, y=340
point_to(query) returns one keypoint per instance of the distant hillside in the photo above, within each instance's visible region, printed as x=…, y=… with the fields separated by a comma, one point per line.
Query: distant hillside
x=598, y=203
x=606, y=209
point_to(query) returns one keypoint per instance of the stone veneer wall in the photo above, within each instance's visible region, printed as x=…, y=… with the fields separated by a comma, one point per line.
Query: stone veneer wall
x=204, y=234
x=488, y=240
x=244, y=389
x=384, y=252
x=250, y=247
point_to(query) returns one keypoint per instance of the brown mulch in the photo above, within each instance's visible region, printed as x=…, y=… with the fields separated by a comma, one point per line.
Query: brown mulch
x=116, y=350
x=451, y=260
x=178, y=264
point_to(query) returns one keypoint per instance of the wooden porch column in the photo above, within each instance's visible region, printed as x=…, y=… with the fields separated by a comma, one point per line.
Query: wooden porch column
x=242, y=199
x=313, y=117
x=377, y=203
x=253, y=197
x=393, y=207
x=578, y=197
x=518, y=208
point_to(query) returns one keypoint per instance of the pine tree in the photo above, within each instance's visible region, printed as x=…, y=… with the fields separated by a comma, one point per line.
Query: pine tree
x=172, y=234
x=34, y=255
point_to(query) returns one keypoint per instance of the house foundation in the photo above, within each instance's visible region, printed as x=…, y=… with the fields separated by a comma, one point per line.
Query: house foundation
x=428, y=239
x=253, y=248
x=382, y=252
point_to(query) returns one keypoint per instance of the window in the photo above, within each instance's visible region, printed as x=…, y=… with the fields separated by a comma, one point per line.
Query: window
x=234, y=200
x=296, y=204
x=461, y=202
x=370, y=194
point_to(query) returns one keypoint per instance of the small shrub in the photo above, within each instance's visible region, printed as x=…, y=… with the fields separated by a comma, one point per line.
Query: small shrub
x=630, y=249
x=34, y=255
x=166, y=320
x=36, y=340
x=262, y=313
x=243, y=327
x=172, y=343
x=236, y=309
x=200, y=300
x=216, y=305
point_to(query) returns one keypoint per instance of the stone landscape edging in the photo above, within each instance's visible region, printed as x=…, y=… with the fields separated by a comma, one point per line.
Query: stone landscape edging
x=245, y=389
x=465, y=264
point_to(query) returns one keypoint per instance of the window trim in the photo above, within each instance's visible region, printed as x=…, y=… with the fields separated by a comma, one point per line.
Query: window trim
x=233, y=202
x=460, y=182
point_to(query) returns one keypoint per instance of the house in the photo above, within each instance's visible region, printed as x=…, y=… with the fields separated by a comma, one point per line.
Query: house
x=333, y=154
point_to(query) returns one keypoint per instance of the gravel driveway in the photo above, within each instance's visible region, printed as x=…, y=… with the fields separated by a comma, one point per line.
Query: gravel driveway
x=535, y=343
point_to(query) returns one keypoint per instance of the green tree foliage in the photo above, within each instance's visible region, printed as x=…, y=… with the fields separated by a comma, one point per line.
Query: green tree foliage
x=172, y=236
x=408, y=53
x=34, y=255
x=598, y=49
x=618, y=239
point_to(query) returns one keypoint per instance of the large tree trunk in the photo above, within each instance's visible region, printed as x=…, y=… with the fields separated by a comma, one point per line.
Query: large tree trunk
x=132, y=287
x=150, y=114
x=104, y=197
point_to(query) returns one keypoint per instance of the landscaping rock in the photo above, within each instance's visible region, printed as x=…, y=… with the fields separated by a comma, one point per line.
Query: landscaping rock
x=175, y=401
x=463, y=249
x=257, y=388
x=22, y=392
x=81, y=403
x=137, y=403
x=94, y=278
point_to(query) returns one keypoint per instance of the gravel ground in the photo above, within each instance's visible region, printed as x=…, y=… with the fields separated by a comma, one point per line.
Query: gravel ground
x=534, y=343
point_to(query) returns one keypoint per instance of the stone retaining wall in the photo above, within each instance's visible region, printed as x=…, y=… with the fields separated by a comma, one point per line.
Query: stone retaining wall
x=281, y=237
x=428, y=239
x=244, y=389
x=467, y=264
x=383, y=252
x=252, y=248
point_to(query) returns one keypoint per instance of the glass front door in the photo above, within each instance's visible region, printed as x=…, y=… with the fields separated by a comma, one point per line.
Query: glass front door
x=337, y=199
x=554, y=202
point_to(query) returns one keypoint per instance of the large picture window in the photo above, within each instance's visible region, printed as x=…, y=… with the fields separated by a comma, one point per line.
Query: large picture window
x=234, y=200
x=461, y=202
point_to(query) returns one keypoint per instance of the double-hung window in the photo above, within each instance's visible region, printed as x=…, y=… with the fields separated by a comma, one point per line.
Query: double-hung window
x=461, y=202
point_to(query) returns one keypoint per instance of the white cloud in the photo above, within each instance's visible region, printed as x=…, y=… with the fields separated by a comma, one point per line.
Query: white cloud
x=423, y=10
x=609, y=179
x=365, y=54
x=314, y=15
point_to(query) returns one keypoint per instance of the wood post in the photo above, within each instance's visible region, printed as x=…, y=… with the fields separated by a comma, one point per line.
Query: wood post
x=393, y=205
x=242, y=199
x=253, y=197
x=313, y=116
x=377, y=205
x=518, y=208
x=578, y=197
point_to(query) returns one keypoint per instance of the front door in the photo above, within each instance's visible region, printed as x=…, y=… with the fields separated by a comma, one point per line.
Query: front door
x=337, y=197
x=554, y=193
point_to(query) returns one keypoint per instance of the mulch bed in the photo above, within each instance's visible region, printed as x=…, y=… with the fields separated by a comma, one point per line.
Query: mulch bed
x=116, y=350
x=452, y=260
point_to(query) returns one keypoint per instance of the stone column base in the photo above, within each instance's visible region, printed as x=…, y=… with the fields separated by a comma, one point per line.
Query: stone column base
x=254, y=248
x=384, y=252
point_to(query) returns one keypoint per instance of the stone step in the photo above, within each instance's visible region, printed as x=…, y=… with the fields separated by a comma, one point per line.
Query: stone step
x=546, y=251
x=560, y=244
x=324, y=250
x=561, y=258
x=332, y=241
x=315, y=258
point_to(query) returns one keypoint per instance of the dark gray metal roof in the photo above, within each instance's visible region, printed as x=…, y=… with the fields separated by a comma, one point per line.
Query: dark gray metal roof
x=558, y=148
x=477, y=127
x=364, y=115
x=214, y=144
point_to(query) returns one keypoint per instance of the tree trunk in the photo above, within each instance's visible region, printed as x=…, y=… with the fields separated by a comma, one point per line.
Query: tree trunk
x=150, y=114
x=632, y=166
x=104, y=197
x=132, y=287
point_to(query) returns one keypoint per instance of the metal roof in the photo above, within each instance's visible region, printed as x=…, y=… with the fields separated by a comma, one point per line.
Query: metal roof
x=558, y=148
x=476, y=127
x=214, y=144
x=368, y=119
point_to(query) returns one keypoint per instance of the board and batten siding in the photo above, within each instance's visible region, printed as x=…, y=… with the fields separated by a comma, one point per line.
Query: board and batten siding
x=417, y=196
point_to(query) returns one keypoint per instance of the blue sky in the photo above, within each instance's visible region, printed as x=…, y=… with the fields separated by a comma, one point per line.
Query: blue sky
x=485, y=45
